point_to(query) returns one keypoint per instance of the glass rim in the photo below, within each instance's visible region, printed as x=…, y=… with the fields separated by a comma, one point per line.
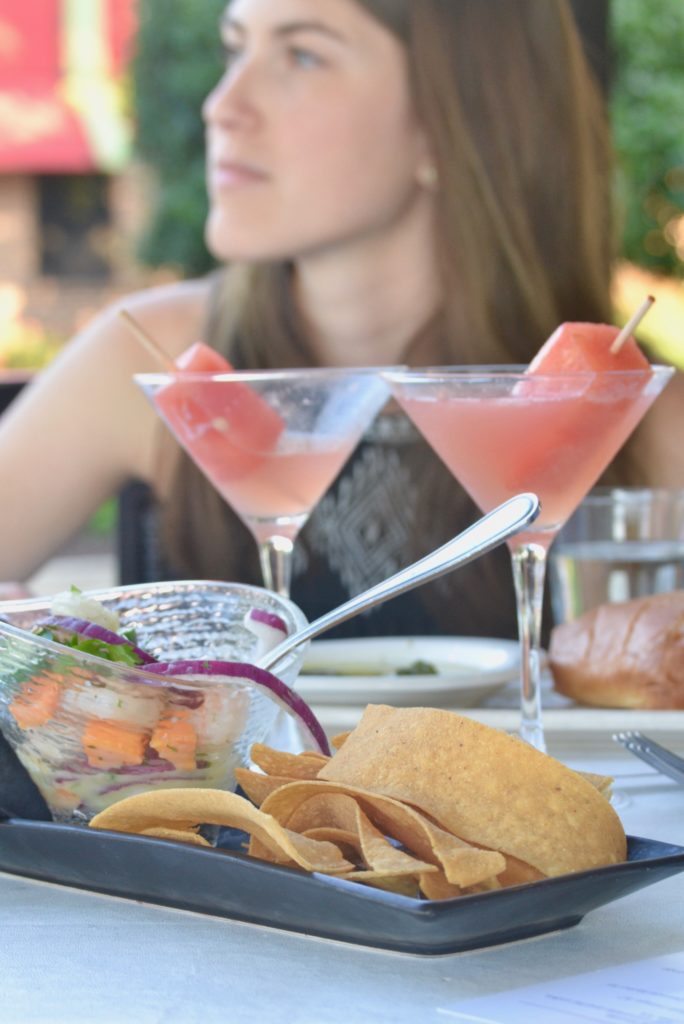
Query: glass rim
x=138, y=674
x=501, y=371
x=288, y=373
x=604, y=494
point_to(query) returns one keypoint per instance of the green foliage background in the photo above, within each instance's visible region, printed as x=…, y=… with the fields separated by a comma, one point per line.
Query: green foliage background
x=179, y=60
x=647, y=106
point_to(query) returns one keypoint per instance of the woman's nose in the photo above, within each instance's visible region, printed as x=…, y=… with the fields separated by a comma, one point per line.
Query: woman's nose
x=231, y=101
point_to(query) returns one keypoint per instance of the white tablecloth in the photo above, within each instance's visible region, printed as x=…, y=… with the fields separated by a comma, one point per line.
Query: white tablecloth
x=69, y=956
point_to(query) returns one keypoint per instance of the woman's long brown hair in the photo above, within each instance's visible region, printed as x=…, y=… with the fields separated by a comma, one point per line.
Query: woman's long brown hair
x=518, y=133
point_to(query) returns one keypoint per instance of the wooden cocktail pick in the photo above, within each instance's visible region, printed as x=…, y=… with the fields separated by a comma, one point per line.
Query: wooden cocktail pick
x=632, y=324
x=153, y=347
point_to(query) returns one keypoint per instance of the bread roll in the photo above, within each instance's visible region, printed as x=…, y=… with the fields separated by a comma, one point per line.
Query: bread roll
x=628, y=655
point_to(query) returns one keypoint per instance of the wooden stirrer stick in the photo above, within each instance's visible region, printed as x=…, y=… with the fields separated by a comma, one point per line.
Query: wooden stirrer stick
x=632, y=324
x=148, y=342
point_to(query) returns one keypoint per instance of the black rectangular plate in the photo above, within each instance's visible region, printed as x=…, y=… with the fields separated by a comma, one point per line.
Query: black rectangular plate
x=226, y=883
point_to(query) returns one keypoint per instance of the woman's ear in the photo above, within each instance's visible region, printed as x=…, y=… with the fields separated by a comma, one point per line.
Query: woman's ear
x=427, y=175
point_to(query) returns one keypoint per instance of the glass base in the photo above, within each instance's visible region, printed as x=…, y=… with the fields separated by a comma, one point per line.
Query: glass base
x=529, y=566
x=619, y=800
x=533, y=733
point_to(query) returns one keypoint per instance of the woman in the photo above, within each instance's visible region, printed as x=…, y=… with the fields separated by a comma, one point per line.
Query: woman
x=389, y=181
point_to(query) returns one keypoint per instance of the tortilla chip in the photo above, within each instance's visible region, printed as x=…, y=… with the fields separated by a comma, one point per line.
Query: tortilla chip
x=178, y=834
x=482, y=785
x=603, y=783
x=436, y=887
x=334, y=835
x=282, y=763
x=381, y=855
x=258, y=786
x=325, y=808
x=348, y=843
x=340, y=739
x=184, y=809
x=517, y=872
x=463, y=864
x=344, y=812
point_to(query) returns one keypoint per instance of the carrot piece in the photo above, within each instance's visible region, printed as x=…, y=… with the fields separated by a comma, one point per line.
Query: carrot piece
x=63, y=798
x=109, y=744
x=52, y=676
x=36, y=703
x=175, y=740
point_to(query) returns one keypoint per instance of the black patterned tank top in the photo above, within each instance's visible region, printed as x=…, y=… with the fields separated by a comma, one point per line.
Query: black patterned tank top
x=379, y=516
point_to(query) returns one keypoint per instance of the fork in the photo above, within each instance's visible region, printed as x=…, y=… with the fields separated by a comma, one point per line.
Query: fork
x=664, y=760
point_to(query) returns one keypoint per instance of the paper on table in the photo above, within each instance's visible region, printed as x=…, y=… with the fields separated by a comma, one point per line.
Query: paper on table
x=646, y=992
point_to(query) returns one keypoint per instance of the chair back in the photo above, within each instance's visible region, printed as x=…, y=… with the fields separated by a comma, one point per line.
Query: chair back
x=137, y=538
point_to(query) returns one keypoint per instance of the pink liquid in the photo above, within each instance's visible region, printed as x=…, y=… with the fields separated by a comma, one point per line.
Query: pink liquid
x=533, y=439
x=281, y=484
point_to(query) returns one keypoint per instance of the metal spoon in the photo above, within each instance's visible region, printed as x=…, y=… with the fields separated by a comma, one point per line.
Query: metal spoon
x=497, y=526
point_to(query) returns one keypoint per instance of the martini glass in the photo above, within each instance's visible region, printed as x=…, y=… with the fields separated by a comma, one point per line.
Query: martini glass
x=501, y=431
x=270, y=441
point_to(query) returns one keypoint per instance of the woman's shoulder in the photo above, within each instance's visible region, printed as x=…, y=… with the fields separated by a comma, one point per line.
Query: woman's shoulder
x=657, y=444
x=174, y=314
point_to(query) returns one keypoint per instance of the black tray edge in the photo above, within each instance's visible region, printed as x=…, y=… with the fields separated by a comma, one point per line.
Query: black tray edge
x=331, y=908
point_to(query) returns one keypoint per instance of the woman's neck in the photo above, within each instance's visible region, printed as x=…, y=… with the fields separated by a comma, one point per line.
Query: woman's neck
x=364, y=304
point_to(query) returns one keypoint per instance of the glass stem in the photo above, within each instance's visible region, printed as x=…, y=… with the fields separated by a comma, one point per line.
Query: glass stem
x=529, y=570
x=275, y=556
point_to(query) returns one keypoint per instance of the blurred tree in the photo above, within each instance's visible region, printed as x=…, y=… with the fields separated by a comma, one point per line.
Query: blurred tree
x=647, y=101
x=178, y=61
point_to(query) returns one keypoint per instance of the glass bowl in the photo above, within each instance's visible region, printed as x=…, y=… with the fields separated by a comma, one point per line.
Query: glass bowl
x=83, y=728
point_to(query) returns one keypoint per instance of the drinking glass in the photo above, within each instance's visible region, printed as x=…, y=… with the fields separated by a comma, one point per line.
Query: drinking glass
x=270, y=441
x=620, y=543
x=501, y=431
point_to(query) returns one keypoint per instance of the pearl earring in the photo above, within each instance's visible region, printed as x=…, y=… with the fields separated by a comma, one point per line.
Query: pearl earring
x=427, y=176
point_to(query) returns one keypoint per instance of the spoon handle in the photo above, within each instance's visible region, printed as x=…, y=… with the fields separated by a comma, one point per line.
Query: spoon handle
x=498, y=525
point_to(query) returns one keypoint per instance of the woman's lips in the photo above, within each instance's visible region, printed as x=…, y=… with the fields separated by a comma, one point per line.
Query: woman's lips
x=227, y=174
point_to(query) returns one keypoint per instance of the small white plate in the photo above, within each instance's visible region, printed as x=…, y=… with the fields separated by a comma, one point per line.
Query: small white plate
x=362, y=671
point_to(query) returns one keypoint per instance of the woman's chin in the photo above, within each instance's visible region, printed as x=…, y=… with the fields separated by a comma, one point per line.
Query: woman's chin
x=226, y=245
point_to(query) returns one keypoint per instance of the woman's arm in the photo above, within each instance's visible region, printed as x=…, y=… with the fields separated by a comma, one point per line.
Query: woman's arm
x=658, y=446
x=83, y=428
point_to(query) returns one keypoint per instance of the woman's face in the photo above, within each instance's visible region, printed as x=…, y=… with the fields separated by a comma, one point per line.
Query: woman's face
x=312, y=141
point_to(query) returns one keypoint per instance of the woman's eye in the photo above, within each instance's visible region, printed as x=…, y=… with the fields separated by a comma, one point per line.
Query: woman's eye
x=304, y=58
x=230, y=54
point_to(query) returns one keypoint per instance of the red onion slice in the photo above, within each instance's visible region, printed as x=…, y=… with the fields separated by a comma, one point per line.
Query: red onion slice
x=267, y=619
x=268, y=629
x=276, y=689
